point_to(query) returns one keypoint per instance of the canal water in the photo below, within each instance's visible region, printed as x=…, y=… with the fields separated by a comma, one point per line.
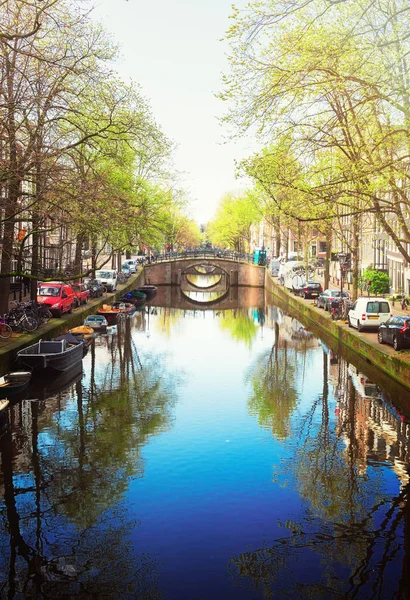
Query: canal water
x=222, y=453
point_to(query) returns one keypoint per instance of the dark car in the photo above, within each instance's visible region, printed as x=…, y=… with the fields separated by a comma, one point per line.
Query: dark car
x=95, y=287
x=311, y=289
x=395, y=331
x=325, y=299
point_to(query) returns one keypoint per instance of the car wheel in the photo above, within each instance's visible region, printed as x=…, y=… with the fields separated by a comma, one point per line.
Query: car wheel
x=325, y=307
x=57, y=313
x=304, y=296
x=396, y=343
x=70, y=310
x=380, y=337
x=359, y=326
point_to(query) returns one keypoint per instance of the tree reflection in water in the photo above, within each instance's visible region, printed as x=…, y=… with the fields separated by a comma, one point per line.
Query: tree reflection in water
x=68, y=532
x=240, y=324
x=354, y=538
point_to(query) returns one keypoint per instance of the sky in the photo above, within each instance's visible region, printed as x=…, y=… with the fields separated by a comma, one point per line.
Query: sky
x=173, y=50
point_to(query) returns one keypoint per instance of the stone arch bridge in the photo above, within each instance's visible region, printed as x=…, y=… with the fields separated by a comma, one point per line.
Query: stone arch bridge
x=177, y=271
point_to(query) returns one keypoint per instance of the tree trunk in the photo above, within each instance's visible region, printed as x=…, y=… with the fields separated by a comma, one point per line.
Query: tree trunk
x=328, y=257
x=355, y=256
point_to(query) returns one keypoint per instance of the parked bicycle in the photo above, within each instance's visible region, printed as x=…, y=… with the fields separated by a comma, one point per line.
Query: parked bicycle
x=339, y=309
x=19, y=320
x=5, y=330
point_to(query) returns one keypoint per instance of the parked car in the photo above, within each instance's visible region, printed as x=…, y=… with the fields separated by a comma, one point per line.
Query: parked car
x=395, y=331
x=131, y=264
x=369, y=312
x=81, y=294
x=107, y=277
x=325, y=299
x=95, y=287
x=310, y=289
x=274, y=267
x=59, y=297
x=125, y=269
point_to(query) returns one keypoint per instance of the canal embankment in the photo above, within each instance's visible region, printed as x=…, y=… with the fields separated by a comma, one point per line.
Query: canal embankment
x=362, y=347
x=58, y=326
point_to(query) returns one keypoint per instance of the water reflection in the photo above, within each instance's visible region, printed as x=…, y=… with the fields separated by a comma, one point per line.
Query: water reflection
x=202, y=281
x=66, y=460
x=196, y=439
x=336, y=468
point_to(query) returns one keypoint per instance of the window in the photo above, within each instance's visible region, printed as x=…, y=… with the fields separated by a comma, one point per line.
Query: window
x=49, y=291
x=377, y=307
x=322, y=246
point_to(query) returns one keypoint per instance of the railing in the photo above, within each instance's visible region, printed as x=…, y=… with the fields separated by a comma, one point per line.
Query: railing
x=225, y=254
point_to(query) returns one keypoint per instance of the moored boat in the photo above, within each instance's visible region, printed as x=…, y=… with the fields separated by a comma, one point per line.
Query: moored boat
x=14, y=383
x=96, y=322
x=109, y=312
x=135, y=297
x=56, y=355
x=84, y=330
x=125, y=308
x=148, y=289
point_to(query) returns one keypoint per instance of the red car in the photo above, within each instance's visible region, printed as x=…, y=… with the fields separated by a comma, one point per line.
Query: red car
x=81, y=294
x=57, y=296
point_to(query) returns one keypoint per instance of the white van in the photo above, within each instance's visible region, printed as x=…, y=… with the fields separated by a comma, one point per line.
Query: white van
x=107, y=277
x=369, y=312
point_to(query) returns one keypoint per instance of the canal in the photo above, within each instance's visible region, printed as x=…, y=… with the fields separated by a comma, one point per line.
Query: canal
x=225, y=454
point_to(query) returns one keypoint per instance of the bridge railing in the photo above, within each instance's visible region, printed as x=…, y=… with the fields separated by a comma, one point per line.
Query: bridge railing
x=226, y=254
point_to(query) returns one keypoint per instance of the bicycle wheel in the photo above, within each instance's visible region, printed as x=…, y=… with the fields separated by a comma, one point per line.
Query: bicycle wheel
x=5, y=331
x=29, y=324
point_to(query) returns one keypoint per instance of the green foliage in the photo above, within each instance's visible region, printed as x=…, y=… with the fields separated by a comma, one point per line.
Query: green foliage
x=232, y=224
x=375, y=282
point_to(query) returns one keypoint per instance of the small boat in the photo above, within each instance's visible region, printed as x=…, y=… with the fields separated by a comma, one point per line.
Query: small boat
x=137, y=298
x=109, y=312
x=148, y=289
x=96, y=322
x=56, y=355
x=84, y=330
x=125, y=308
x=13, y=383
x=4, y=404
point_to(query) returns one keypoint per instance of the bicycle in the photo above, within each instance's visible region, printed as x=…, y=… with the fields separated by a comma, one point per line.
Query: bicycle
x=5, y=330
x=19, y=321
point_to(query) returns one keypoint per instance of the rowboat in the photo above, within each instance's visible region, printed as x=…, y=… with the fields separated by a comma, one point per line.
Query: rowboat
x=135, y=297
x=148, y=289
x=56, y=355
x=96, y=322
x=109, y=312
x=13, y=383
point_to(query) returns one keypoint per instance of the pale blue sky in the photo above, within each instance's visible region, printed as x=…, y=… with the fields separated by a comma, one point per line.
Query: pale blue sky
x=172, y=48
